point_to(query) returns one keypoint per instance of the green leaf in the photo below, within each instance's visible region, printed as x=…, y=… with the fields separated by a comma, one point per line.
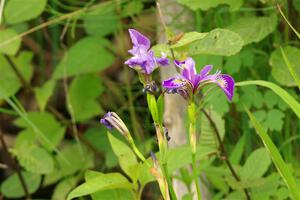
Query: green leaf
x=115, y=194
x=207, y=4
x=11, y=48
x=9, y=81
x=86, y=56
x=152, y=105
x=253, y=29
x=35, y=159
x=291, y=68
x=274, y=120
x=83, y=93
x=12, y=187
x=217, y=42
x=17, y=11
x=281, y=166
x=97, y=182
x=99, y=139
x=294, y=105
x=126, y=156
x=77, y=161
x=203, y=59
x=132, y=8
x=43, y=93
x=102, y=21
x=188, y=38
x=47, y=124
x=63, y=188
x=256, y=164
x=279, y=68
x=233, y=64
x=237, y=152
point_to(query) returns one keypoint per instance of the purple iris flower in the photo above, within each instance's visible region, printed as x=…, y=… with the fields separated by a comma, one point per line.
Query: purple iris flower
x=143, y=59
x=189, y=82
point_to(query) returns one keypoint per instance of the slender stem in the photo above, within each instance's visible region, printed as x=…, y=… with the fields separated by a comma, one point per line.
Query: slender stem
x=194, y=165
x=224, y=153
x=192, y=138
x=169, y=180
x=15, y=166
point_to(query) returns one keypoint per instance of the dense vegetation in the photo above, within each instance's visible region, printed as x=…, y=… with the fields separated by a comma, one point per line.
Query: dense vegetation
x=62, y=68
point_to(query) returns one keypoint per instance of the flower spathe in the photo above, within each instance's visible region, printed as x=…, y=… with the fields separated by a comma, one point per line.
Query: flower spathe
x=112, y=120
x=189, y=81
x=143, y=58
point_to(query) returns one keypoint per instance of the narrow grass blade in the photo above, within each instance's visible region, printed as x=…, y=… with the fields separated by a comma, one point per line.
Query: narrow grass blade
x=281, y=166
x=287, y=21
x=291, y=68
x=285, y=96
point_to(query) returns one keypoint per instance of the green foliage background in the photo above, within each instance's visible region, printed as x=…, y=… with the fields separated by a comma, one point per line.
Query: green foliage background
x=61, y=65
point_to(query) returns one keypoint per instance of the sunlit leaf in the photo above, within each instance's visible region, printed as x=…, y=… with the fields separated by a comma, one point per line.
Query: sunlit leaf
x=253, y=29
x=43, y=93
x=17, y=11
x=279, y=67
x=83, y=92
x=98, y=182
x=207, y=4
x=11, y=48
x=86, y=56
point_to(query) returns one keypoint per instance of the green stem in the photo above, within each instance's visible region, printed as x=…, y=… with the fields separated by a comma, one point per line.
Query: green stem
x=196, y=176
x=170, y=185
x=192, y=138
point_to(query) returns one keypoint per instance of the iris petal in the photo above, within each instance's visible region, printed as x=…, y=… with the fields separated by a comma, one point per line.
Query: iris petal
x=139, y=39
x=226, y=83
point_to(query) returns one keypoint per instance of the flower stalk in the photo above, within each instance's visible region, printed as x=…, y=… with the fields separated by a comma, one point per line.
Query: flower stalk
x=192, y=138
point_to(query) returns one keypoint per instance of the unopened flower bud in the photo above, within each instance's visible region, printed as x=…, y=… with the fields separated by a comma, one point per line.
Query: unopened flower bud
x=112, y=120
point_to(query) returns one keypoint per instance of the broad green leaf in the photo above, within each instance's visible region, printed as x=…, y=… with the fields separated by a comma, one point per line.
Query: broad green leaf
x=217, y=42
x=9, y=81
x=189, y=37
x=279, y=68
x=98, y=182
x=281, y=166
x=203, y=59
x=218, y=102
x=62, y=189
x=102, y=21
x=233, y=64
x=99, y=139
x=274, y=120
x=115, y=194
x=35, y=159
x=47, y=124
x=253, y=29
x=88, y=55
x=43, y=93
x=126, y=156
x=17, y=11
x=207, y=4
x=255, y=183
x=256, y=164
x=270, y=99
x=77, y=162
x=132, y=8
x=291, y=68
x=11, y=48
x=294, y=105
x=12, y=188
x=83, y=92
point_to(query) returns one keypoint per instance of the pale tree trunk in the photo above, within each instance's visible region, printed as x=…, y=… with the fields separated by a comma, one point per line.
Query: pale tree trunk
x=175, y=105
